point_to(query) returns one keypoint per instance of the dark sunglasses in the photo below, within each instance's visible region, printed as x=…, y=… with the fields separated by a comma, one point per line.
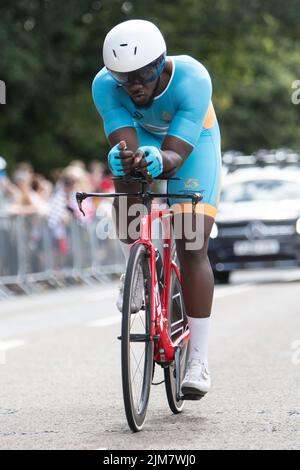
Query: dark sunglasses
x=144, y=75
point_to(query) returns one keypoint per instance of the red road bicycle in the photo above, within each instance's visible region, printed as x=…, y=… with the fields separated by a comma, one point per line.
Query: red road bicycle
x=158, y=333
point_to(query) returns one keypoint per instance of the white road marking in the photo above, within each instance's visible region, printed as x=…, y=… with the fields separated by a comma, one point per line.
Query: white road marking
x=7, y=346
x=291, y=277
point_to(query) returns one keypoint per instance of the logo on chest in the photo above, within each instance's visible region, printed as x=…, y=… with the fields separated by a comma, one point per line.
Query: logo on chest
x=137, y=115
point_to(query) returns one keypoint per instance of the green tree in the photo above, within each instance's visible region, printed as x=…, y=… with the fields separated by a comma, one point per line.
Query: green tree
x=51, y=50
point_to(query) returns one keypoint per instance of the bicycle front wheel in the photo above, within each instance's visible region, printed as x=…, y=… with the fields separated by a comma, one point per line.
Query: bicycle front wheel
x=137, y=349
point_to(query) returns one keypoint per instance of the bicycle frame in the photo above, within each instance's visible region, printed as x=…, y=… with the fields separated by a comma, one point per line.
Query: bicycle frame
x=165, y=349
x=164, y=346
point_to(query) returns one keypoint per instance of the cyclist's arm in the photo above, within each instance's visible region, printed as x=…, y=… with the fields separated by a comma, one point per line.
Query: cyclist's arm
x=127, y=141
x=117, y=121
x=174, y=152
x=128, y=134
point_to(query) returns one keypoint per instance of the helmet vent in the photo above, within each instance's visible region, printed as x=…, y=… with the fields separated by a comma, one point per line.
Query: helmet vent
x=123, y=45
x=115, y=53
x=135, y=49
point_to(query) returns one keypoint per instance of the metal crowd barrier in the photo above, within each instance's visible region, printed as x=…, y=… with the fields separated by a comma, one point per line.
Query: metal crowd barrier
x=31, y=254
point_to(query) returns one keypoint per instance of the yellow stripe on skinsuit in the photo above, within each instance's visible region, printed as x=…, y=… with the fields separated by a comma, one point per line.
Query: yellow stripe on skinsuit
x=210, y=117
x=187, y=207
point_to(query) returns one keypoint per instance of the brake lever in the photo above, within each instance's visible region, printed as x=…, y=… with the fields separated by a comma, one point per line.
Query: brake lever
x=79, y=198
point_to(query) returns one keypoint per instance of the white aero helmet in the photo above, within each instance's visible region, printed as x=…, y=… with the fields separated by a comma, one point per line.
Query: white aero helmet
x=132, y=45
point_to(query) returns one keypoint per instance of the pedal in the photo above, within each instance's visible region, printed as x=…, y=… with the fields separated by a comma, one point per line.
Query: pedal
x=190, y=397
x=140, y=338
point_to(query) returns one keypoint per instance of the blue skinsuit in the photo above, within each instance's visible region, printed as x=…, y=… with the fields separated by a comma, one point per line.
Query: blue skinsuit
x=184, y=110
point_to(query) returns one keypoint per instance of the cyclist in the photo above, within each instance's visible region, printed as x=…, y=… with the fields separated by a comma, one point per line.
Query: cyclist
x=159, y=118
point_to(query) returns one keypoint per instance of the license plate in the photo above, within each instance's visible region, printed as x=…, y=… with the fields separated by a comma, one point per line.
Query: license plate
x=257, y=247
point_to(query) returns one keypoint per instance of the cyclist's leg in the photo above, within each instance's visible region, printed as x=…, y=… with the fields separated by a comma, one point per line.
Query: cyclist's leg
x=201, y=173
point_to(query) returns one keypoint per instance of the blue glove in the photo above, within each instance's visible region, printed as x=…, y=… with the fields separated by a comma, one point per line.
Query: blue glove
x=114, y=161
x=153, y=156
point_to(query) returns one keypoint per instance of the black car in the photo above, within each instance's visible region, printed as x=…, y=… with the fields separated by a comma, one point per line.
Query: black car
x=258, y=224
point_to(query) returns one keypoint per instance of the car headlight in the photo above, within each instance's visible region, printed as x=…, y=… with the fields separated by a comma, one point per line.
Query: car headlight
x=298, y=226
x=215, y=231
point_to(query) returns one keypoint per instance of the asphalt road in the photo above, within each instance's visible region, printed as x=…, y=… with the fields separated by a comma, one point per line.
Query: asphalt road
x=60, y=385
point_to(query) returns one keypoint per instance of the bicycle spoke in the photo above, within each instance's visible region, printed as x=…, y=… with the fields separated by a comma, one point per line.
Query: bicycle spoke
x=133, y=320
x=134, y=386
x=138, y=364
x=138, y=395
x=140, y=316
x=140, y=389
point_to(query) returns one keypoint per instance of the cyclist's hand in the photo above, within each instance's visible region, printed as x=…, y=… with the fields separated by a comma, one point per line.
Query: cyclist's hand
x=120, y=160
x=149, y=160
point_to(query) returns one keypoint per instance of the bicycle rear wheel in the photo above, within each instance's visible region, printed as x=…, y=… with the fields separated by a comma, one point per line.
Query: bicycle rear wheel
x=137, y=349
x=177, y=325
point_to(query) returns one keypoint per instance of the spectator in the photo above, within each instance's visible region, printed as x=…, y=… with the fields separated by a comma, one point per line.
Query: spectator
x=107, y=185
x=96, y=169
x=27, y=201
x=79, y=164
x=42, y=187
x=26, y=168
x=3, y=186
x=56, y=175
x=77, y=179
x=63, y=205
x=8, y=192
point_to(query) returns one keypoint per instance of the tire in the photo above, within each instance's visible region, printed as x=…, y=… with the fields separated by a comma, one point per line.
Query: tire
x=136, y=409
x=222, y=277
x=176, y=314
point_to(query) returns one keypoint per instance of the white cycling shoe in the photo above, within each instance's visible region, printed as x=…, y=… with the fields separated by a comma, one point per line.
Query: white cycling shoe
x=196, y=382
x=138, y=293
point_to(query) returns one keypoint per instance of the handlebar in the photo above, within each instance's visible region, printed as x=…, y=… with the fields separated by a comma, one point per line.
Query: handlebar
x=145, y=196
